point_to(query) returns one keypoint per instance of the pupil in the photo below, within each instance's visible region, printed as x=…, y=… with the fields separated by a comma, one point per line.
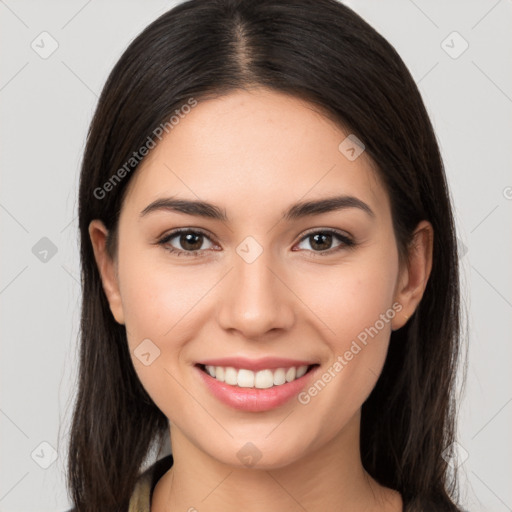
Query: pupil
x=322, y=238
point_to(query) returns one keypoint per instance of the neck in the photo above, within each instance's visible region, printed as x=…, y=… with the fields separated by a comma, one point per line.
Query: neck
x=330, y=477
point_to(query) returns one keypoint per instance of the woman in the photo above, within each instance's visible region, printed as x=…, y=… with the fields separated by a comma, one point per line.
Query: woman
x=269, y=272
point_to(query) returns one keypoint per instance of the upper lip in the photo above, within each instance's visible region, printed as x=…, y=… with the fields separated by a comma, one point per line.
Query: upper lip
x=264, y=363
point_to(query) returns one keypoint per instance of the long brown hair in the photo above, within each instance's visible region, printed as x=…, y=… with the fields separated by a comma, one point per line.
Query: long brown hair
x=322, y=51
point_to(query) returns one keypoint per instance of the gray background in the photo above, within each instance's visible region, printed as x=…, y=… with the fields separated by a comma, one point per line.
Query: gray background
x=46, y=105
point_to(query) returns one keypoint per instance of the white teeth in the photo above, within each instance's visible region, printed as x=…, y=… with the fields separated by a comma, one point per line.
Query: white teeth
x=245, y=379
x=279, y=377
x=290, y=374
x=219, y=373
x=301, y=370
x=262, y=379
x=230, y=376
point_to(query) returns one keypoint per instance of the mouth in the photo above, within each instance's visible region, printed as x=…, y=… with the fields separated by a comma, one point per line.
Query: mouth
x=255, y=390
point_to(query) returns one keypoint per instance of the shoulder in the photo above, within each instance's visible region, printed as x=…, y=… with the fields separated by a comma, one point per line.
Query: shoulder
x=140, y=500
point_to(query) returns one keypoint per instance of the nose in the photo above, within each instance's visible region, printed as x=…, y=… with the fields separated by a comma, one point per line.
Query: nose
x=255, y=300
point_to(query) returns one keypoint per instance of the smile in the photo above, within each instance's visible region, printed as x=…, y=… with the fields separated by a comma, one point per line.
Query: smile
x=255, y=385
x=262, y=379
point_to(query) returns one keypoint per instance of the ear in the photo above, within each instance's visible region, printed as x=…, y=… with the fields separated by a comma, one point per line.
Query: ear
x=107, y=268
x=414, y=275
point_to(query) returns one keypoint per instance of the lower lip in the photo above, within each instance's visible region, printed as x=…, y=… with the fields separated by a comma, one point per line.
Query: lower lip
x=253, y=399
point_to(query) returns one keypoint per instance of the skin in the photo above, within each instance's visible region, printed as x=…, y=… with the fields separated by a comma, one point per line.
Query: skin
x=255, y=153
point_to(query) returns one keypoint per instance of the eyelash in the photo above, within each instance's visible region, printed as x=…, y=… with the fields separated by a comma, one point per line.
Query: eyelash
x=346, y=241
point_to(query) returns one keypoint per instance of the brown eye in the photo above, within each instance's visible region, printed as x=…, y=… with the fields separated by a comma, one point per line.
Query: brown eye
x=191, y=241
x=186, y=242
x=322, y=241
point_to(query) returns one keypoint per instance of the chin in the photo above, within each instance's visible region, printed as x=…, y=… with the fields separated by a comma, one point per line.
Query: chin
x=259, y=453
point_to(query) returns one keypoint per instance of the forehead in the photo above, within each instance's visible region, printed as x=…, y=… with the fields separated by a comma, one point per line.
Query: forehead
x=255, y=150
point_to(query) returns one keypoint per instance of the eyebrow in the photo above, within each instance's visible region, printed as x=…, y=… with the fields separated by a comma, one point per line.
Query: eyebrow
x=299, y=210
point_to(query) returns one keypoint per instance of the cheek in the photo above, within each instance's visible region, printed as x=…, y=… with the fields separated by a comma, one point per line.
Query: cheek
x=357, y=308
x=160, y=305
x=157, y=297
x=358, y=293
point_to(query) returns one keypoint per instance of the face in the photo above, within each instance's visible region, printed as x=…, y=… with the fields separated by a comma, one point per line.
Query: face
x=259, y=285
